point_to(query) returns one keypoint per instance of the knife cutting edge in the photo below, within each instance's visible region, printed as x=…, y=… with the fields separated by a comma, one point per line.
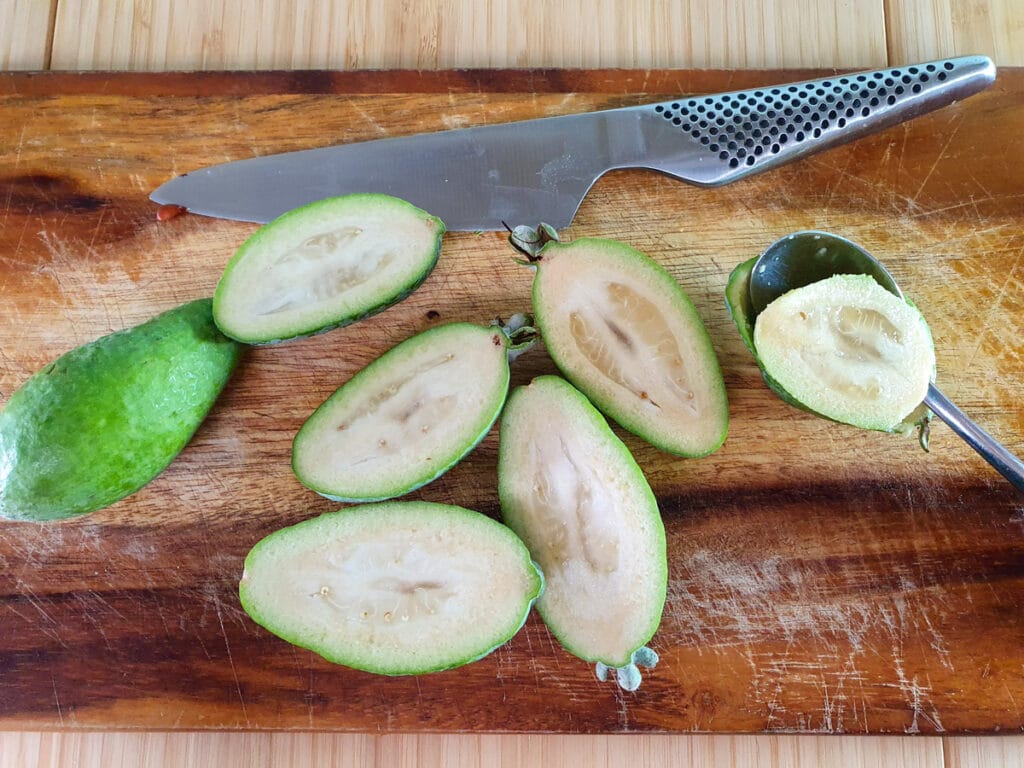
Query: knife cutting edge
x=533, y=170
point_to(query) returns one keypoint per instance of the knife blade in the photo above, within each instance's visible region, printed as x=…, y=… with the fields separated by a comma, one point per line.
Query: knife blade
x=540, y=170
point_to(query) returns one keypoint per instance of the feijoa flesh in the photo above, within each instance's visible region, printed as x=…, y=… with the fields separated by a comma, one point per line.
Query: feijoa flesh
x=573, y=492
x=844, y=348
x=407, y=417
x=623, y=331
x=325, y=265
x=104, y=419
x=396, y=588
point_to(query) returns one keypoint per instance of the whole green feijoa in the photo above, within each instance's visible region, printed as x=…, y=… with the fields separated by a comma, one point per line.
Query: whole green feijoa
x=104, y=419
x=325, y=265
x=571, y=490
x=623, y=331
x=409, y=416
x=395, y=588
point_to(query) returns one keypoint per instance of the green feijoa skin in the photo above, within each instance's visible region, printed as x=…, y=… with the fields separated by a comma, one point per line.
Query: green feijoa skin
x=623, y=331
x=737, y=301
x=325, y=265
x=395, y=588
x=408, y=416
x=104, y=419
x=848, y=349
x=572, y=491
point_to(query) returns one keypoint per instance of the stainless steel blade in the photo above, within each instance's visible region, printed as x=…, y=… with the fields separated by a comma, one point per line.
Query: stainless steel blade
x=540, y=170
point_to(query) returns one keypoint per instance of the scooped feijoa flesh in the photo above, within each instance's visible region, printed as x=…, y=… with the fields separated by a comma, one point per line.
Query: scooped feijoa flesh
x=623, y=331
x=396, y=588
x=407, y=417
x=324, y=265
x=849, y=350
x=571, y=490
x=104, y=419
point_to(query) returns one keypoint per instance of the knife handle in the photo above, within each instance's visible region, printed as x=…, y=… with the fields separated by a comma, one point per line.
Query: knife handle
x=732, y=135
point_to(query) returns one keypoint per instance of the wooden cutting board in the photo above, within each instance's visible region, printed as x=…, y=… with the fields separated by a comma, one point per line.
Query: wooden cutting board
x=821, y=578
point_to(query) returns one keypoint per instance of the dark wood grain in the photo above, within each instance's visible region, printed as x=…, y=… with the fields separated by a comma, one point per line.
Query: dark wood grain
x=821, y=578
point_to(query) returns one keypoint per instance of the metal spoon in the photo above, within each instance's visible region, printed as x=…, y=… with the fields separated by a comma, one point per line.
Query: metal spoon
x=806, y=257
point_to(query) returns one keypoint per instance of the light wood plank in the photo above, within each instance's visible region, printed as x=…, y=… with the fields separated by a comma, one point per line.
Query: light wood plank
x=25, y=33
x=985, y=752
x=347, y=34
x=238, y=750
x=930, y=29
x=658, y=751
x=224, y=750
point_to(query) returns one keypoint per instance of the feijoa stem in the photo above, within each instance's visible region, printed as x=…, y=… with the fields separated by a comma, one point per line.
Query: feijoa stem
x=521, y=334
x=629, y=677
x=530, y=241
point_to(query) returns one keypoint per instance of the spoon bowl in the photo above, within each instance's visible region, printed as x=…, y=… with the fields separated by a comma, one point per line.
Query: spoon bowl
x=806, y=257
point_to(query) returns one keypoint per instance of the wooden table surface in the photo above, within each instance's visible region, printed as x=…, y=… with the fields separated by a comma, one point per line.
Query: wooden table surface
x=292, y=34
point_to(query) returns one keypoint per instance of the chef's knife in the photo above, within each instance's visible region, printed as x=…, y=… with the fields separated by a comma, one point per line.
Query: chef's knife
x=540, y=170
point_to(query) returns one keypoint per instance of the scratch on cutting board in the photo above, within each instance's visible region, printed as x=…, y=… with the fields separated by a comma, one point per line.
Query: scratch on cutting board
x=559, y=108
x=49, y=628
x=454, y=121
x=17, y=161
x=734, y=605
x=56, y=699
x=915, y=693
x=231, y=659
x=367, y=117
x=85, y=282
x=938, y=159
x=622, y=698
x=994, y=307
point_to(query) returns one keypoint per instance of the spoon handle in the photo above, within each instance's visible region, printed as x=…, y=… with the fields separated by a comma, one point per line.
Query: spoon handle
x=990, y=449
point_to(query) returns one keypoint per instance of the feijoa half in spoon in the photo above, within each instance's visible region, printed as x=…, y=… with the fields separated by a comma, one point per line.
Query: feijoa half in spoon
x=848, y=349
x=836, y=325
x=324, y=265
x=571, y=490
x=623, y=331
x=410, y=415
x=397, y=588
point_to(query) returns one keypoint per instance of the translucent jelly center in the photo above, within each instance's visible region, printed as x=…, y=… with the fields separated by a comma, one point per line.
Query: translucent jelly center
x=852, y=350
x=571, y=511
x=626, y=337
x=383, y=582
x=402, y=411
x=320, y=268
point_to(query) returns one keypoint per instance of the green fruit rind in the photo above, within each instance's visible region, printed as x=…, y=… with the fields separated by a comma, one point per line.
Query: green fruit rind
x=394, y=588
x=737, y=301
x=692, y=418
x=573, y=492
x=386, y=246
x=407, y=417
x=103, y=420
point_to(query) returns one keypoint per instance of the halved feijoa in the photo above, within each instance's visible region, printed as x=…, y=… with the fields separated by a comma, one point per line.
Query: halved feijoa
x=408, y=416
x=849, y=350
x=571, y=490
x=397, y=588
x=621, y=329
x=324, y=265
x=104, y=419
